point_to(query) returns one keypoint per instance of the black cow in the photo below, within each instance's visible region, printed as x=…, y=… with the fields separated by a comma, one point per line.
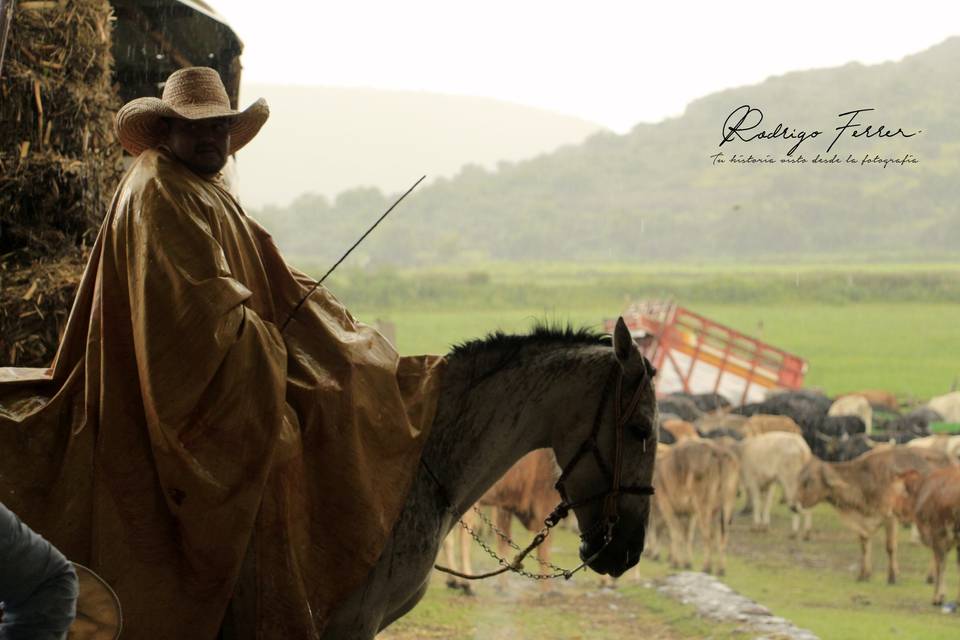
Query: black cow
x=706, y=402
x=684, y=408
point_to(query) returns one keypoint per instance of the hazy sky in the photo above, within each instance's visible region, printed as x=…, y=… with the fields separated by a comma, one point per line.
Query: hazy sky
x=613, y=62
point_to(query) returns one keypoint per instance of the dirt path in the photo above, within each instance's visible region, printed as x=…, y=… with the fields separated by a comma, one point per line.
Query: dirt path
x=579, y=609
x=683, y=605
x=717, y=601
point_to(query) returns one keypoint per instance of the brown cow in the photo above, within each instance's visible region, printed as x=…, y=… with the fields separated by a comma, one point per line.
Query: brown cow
x=935, y=502
x=697, y=479
x=525, y=491
x=528, y=492
x=458, y=538
x=680, y=429
x=877, y=398
x=863, y=491
x=714, y=421
x=656, y=527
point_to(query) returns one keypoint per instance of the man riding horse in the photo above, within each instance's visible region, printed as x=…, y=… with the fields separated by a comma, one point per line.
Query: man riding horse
x=218, y=458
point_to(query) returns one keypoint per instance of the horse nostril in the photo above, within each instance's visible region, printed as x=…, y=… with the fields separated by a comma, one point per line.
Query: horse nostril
x=587, y=550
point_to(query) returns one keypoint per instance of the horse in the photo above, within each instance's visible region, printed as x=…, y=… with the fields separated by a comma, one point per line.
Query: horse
x=502, y=397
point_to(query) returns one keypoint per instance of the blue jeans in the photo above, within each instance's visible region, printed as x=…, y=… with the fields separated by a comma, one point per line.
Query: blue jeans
x=38, y=586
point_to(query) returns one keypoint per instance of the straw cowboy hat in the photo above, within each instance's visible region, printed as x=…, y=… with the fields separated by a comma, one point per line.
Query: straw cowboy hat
x=193, y=93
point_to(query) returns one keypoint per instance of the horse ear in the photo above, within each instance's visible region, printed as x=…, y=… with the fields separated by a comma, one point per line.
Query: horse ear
x=623, y=345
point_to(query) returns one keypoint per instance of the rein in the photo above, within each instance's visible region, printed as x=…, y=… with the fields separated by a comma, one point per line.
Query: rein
x=610, y=497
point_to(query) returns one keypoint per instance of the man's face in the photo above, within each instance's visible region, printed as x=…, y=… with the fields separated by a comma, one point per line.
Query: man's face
x=200, y=144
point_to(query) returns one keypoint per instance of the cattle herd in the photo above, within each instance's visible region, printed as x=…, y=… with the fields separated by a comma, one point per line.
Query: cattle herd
x=877, y=465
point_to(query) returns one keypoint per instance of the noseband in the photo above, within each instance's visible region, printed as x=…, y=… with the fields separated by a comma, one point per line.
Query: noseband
x=610, y=497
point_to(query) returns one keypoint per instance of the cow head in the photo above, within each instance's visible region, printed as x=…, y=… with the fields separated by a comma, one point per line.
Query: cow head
x=813, y=484
x=819, y=481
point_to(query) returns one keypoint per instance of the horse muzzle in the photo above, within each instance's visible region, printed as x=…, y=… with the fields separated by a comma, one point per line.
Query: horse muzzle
x=614, y=556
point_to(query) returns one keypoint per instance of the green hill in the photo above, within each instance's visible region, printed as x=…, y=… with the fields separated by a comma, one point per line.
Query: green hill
x=654, y=193
x=327, y=139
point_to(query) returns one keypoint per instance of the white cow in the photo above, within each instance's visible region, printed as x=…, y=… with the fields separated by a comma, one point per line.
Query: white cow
x=950, y=445
x=773, y=458
x=853, y=406
x=947, y=405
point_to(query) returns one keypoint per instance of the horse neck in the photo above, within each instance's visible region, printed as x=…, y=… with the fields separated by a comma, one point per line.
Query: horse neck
x=487, y=420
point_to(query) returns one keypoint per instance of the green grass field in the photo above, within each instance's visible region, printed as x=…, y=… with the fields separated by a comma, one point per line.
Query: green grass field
x=911, y=349
x=871, y=325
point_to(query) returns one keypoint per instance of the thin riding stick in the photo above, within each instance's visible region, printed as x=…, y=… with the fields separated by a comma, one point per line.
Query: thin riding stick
x=349, y=251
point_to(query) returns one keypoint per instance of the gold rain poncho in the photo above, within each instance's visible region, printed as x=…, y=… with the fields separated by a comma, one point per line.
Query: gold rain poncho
x=178, y=423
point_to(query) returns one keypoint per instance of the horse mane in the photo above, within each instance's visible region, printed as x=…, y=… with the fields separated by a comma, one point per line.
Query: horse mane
x=542, y=334
x=506, y=347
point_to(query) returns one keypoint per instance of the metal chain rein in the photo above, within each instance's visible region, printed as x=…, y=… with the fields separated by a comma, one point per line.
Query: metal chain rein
x=516, y=565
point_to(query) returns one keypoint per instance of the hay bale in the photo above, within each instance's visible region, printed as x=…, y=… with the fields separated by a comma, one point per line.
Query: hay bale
x=59, y=159
x=36, y=301
x=59, y=165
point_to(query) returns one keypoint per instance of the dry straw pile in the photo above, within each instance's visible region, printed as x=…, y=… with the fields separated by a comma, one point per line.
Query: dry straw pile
x=59, y=162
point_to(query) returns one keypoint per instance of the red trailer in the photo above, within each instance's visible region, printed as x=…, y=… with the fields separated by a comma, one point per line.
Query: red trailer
x=697, y=355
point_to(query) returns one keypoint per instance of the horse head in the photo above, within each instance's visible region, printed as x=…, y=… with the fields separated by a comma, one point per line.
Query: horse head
x=608, y=465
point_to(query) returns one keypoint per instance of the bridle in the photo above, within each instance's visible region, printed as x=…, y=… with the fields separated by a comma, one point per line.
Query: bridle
x=610, y=497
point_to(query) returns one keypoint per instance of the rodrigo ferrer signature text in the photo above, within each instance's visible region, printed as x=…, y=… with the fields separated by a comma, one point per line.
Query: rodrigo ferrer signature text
x=743, y=124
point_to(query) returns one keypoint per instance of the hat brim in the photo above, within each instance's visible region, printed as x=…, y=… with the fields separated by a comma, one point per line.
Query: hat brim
x=138, y=122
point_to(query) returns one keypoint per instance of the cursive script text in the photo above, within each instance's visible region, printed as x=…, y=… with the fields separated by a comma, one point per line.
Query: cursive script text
x=743, y=124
